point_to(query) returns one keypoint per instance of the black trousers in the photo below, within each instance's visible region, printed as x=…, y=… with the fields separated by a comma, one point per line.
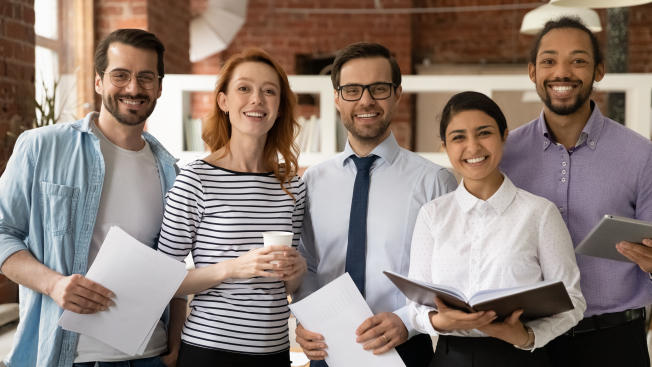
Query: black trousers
x=623, y=345
x=194, y=356
x=416, y=352
x=453, y=351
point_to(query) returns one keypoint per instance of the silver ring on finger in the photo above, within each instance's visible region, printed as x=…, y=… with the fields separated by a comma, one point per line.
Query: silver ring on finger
x=384, y=337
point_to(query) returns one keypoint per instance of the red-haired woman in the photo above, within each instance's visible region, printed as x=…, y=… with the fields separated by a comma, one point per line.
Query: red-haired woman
x=218, y=209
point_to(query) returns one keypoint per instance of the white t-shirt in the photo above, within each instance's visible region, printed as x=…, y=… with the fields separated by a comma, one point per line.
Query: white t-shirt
x=132, y=200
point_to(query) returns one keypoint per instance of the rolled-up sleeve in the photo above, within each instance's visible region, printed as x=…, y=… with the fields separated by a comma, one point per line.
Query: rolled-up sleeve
x=16, y=199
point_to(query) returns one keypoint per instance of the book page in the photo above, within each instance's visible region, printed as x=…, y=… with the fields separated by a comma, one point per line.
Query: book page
x=489, y=294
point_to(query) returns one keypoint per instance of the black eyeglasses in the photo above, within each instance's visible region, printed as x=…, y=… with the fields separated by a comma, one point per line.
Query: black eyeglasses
x=120, y=78
x=353, y=92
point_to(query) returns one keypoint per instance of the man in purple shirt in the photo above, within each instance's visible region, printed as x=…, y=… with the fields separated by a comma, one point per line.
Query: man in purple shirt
x=589, y=166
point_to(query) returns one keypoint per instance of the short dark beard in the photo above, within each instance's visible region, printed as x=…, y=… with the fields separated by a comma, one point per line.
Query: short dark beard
x=371, y=136
x=111, y=105
x=583, y=96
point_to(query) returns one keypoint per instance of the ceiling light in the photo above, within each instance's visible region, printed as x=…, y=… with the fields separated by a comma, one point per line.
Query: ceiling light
x=600, y=3
x=534, y=20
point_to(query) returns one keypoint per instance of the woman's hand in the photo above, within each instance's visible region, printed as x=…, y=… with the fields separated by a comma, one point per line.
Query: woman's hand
x=254, y=263
x=293, y=266
x=511, y=330
x=448, y=319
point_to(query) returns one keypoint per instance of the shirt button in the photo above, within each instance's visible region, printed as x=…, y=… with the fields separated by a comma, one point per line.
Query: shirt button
x=565, y=156
x=563, y=179
x=561, y=210
x=564, y=164
x=563, y=172
x=592, y=143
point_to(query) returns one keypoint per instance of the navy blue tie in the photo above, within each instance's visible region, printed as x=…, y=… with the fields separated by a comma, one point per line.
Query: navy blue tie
x=357, y=248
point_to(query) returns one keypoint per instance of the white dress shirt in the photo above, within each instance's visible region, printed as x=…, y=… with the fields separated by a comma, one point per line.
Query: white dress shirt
x=513, y=239
x=400, y=183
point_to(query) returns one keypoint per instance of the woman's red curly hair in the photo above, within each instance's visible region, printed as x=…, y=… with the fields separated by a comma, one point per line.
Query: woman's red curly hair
x=281, y=138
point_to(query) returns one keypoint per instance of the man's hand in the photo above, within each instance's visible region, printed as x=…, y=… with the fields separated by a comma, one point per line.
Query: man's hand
x=80, y=295
x=382, y=332
x=511, y=330
x=170, y=360
x=640, y=254
x=312, y=343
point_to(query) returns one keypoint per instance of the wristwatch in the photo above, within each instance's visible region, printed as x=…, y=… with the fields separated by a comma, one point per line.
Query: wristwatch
x=530, y=339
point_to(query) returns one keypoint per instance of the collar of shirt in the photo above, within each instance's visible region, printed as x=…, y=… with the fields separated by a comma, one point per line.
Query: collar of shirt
x=500, y=200
x=387, y=151
x=590, y=133
x=84, y=126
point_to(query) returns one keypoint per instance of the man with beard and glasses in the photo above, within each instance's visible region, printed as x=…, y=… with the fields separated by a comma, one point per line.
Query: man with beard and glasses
x=363, y=204
x=64, y=187
x=589, y=166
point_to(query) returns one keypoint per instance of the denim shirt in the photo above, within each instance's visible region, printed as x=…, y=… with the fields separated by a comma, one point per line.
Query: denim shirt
x=49, y=197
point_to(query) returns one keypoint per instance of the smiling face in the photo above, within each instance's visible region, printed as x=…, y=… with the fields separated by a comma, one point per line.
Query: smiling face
x=474, y=145
x=367, y=120
x=130, y=105
x=252, y=99
x=565, y=70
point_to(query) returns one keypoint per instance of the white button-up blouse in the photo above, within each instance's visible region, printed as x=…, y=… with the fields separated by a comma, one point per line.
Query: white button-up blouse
x=513, y=239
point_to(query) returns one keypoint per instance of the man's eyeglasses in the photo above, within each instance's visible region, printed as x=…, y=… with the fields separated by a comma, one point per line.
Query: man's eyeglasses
x=120, y=78
x=353, y=92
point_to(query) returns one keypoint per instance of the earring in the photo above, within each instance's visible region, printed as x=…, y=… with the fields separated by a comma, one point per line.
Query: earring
x=227, y=112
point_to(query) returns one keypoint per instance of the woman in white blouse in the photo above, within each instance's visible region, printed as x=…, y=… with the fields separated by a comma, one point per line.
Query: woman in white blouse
x=488, y=234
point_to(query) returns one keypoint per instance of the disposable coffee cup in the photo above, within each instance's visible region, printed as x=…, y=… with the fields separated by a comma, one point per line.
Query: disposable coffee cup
x=274, y=238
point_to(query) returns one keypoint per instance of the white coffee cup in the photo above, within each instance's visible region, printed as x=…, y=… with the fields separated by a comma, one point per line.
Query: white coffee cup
x=274, y=238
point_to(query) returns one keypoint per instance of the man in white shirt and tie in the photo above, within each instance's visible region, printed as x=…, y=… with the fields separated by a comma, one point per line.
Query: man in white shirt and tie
x=363, y=204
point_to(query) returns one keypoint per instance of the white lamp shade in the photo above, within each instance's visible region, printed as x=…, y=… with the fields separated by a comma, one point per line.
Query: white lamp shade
x=216, y=27
x=599, y=4
x=534, y=20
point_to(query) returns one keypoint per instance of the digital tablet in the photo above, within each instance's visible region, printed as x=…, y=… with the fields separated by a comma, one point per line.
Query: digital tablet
x=602, y=240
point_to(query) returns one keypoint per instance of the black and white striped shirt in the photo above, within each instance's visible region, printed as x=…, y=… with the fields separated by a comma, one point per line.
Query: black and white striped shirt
x=219, y=215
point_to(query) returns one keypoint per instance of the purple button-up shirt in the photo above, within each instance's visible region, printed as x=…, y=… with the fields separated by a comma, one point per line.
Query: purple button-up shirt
x=609, y=173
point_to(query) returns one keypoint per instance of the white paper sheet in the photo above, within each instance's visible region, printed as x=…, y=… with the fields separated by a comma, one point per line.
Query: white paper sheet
x=143, y=280
x=336, y=311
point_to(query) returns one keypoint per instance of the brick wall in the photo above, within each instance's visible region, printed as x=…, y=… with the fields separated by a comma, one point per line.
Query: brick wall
x=278, y=34
x=493, y=36
x=168, y=19
x=463, y=37
x=16, y=89
x=640, y=39
x=114, y=14
x=16, y=72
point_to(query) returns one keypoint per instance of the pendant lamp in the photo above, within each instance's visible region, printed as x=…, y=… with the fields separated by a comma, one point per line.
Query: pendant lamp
x=535, y=19
x=599, y=4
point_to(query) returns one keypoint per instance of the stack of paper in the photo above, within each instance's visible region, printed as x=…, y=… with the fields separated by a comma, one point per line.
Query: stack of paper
x=336, y=311
x=143, y=280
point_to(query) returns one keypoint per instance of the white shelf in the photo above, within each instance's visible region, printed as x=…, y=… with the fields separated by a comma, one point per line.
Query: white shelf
x=166, y=122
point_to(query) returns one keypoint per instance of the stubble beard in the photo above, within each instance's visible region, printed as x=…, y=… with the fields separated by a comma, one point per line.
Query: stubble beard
x=566, y=109
x=111, y=105
x=369, y=134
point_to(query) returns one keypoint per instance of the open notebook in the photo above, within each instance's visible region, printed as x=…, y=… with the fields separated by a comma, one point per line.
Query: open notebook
x=537, y=300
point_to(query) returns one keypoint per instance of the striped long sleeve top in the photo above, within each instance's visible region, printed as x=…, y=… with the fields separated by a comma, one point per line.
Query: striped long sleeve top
x=217, y=214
